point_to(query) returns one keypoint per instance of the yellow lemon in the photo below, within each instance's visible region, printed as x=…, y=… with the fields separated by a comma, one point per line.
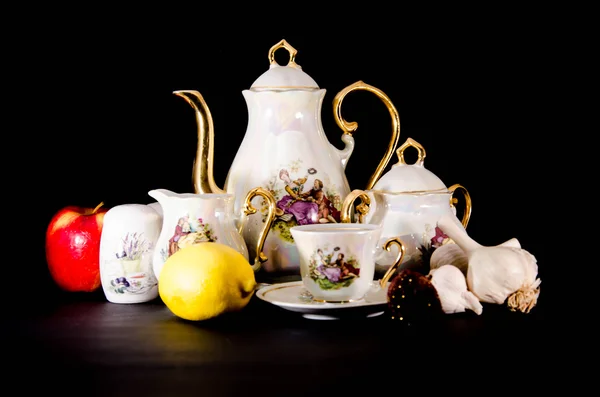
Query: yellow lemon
x=204, y=280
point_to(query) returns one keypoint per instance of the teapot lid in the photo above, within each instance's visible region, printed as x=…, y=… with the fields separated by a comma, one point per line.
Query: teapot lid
x=408, y=178
x=285, y=77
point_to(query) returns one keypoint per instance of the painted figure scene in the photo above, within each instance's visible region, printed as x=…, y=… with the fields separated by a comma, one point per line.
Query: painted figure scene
x=333, y=270
x=302, y=200
x=187, y=233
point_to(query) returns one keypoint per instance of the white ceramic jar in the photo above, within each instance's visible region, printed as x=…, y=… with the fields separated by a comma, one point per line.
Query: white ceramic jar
x=129, y=235
x=407, y=202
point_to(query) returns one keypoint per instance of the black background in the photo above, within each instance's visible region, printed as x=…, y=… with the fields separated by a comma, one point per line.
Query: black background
x=100, y=121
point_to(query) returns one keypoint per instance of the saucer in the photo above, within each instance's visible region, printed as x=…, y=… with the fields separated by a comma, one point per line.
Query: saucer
x=289, y=297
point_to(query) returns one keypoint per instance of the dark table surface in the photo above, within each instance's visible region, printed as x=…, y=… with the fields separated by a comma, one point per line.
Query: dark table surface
x=81, y=344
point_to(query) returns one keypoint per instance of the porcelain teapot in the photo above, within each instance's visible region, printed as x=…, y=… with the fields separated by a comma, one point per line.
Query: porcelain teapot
x=285, y=151
x=408, y=201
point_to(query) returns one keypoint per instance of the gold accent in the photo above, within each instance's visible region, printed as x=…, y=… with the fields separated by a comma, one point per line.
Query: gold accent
x=350, y=127
x=362, y=208
x=289, y=48
x=388, y=247
x=202, y=175
x=411, y=143
x=249, y=210
x=284, y=87
x=468, y=206
x=271, y=289
x=413, y=192
x=336, y=302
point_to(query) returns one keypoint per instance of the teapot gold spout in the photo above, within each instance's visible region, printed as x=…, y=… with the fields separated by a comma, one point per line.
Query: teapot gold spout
x=202, y=174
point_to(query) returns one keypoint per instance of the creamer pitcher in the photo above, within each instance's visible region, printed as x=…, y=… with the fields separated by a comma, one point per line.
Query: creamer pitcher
x=190, y=218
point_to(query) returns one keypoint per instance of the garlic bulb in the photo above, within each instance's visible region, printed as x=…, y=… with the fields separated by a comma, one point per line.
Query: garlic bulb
x=451, y=287
x=452, y=254
x=504, y=274
x=449, y=254
x=496, y=274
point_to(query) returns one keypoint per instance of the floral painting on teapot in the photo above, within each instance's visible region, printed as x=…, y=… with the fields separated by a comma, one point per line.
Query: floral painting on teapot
x=130, y=270
x=188, y=232
x=332, y=270
x=303, y=197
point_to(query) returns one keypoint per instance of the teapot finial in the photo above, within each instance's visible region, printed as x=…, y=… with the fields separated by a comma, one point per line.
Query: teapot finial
x=284, y=44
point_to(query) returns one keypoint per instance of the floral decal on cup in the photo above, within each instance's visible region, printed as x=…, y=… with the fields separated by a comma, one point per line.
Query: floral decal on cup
x=333, y=270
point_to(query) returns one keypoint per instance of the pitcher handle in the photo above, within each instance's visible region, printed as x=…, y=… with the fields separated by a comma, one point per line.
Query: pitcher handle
x=362, y=208
x=388, y=247
x=249, y=210
x=350, y=127
x=454, y=200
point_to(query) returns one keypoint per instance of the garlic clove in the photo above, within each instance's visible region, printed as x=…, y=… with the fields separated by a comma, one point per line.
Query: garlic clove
x=451, y=286
x=449, y=254
x=471, y=302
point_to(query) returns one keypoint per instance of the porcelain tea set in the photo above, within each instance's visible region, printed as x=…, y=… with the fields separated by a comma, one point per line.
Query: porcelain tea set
x=286, y=198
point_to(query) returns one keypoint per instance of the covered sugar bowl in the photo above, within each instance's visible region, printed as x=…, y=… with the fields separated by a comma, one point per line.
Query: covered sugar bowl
x=407, y=201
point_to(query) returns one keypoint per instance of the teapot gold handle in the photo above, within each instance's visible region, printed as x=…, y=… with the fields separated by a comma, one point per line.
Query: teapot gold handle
x=249, y=210
x=350, y=127
x=454, y=200
x=362, y=209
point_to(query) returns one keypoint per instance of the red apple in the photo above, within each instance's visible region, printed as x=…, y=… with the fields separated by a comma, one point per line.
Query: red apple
x=73, y=247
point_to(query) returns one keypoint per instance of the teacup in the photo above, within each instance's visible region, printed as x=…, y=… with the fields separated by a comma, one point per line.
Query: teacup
x=337, y=260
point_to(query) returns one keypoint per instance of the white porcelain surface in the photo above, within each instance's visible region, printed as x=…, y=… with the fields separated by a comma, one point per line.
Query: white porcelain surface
x=190, y=218
x=285, y=142
x=337, y=261
x=128, y=239
x=291, y=296
x=409, y=178
x=284, y=77
x=156, y=206
x=412, y=218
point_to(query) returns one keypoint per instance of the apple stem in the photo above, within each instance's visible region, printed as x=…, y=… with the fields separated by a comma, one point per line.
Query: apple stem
x=97, y=207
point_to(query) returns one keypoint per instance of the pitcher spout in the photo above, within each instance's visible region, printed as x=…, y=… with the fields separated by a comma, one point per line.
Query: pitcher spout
x=161, y=195
x=202, y=175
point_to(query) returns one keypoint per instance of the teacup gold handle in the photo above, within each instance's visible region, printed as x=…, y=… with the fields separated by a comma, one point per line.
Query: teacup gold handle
x=249, y=210
x=454, y=200
x=350, y=127
x=388, y=247
x=362, y=208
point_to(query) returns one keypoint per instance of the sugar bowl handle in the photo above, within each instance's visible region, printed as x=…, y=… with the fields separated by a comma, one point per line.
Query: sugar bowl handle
x=454, y=200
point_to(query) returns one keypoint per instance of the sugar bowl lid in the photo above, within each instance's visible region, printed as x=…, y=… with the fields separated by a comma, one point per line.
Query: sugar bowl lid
x=286, y=77
x=409, y=178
